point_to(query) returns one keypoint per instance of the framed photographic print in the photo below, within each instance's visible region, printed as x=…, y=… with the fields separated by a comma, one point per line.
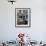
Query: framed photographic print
x=22, y=17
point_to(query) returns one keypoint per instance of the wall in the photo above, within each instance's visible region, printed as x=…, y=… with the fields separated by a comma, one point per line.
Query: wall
x=8, y=31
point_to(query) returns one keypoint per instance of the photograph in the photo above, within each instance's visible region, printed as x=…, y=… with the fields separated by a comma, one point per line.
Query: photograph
x=22, y=17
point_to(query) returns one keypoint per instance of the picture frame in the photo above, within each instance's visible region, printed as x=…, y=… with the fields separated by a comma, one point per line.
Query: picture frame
x=22, y=17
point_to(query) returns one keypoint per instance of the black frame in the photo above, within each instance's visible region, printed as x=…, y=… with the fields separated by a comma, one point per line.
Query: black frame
x=29, y=18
